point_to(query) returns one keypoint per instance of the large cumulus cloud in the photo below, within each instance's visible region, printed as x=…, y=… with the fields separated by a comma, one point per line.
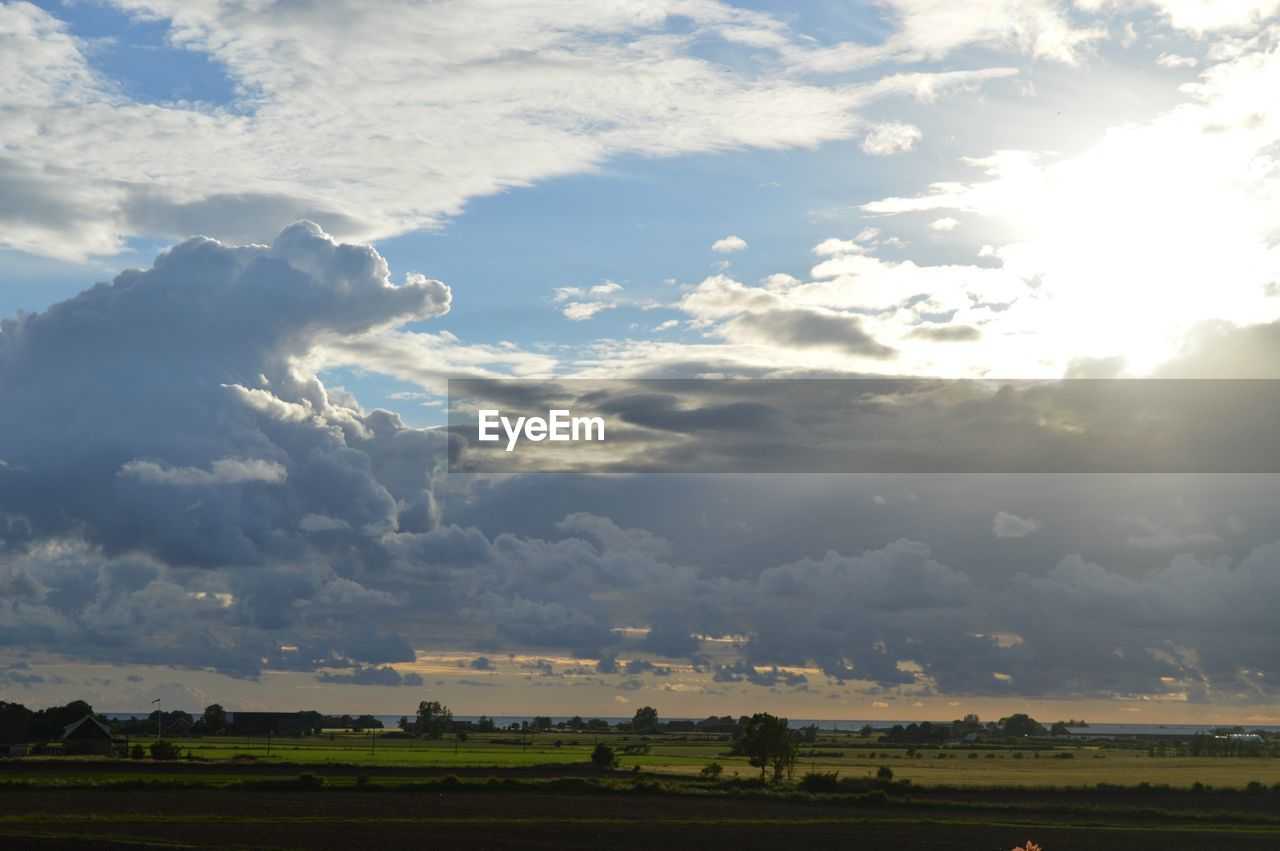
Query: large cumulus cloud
x=161, y=422
x=163, y=410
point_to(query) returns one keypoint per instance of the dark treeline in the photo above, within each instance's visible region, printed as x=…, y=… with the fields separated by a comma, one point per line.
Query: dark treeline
x=748, y=735
x=969, y=729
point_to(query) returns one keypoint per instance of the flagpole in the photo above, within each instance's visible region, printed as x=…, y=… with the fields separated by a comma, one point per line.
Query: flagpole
x=159, y=718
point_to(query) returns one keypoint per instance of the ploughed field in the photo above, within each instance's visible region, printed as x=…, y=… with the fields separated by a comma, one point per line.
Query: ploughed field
x=345, y=818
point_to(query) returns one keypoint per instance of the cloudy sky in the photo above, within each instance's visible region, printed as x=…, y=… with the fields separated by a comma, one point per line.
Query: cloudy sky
x=244, y=245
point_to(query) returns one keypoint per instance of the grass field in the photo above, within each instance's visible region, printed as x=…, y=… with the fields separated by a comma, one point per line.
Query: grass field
x=497, y=791
x=677, y=755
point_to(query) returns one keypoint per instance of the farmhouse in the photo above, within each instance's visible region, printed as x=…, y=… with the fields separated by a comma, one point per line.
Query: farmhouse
x=87, y=736
x=179, y=726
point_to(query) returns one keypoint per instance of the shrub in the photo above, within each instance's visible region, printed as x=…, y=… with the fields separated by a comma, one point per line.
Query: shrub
x=160, y=749
x=820, y=781
x=309, y=781
x=884, y=773
x=603, y=757
x=137, y=752
x=362, y=781
x=712, y=770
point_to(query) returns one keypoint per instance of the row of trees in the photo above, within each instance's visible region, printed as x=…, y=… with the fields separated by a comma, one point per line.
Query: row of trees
x=1016, y=726
x=48, y=724
x=434, y=720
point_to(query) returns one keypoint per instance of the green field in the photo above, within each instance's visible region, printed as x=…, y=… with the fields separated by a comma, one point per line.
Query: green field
x=677, y=755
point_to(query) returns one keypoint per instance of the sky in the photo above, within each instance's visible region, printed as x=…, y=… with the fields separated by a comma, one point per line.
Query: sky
x=243, y=247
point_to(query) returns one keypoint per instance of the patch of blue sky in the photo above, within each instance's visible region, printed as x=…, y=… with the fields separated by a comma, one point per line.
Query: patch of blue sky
x=828, y=21
x=639, y=222
x=31, y=283
x=137, y=56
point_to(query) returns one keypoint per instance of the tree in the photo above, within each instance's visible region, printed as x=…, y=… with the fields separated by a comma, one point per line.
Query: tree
x=434, y=719
x=311, y=722
x=366, y=722
x=14, y=712
x=767, y=743
x=215, y=719
x=1020, y=725
x=603, y=757
x=542, y=723
x=645, y=720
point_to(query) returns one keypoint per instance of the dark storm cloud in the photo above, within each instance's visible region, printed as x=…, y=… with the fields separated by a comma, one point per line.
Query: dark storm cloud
x=371, y=676
x=884, y=425
x=898, y=617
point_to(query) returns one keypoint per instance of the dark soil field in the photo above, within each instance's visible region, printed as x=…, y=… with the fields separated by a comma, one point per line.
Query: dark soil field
x=114, y=817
